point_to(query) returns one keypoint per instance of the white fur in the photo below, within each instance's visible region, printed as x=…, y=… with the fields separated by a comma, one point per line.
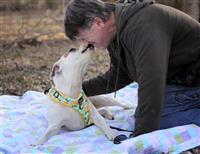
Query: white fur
x=67, y=74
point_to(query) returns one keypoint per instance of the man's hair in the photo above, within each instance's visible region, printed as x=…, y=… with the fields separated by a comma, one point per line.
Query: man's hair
x=80, y=14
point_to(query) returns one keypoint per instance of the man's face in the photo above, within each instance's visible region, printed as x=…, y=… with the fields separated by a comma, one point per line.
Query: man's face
x=97, y=35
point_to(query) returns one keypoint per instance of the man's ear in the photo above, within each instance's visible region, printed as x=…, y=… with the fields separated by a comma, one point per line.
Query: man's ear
x=56, y=69
x=98, y=23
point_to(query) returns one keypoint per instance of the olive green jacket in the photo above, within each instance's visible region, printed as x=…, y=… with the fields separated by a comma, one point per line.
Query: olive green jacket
x=153, y=43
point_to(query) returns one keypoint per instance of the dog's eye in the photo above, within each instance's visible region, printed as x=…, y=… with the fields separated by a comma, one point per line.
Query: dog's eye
x=72, y=50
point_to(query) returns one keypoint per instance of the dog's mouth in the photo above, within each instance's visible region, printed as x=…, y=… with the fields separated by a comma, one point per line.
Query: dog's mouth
x=90, y=46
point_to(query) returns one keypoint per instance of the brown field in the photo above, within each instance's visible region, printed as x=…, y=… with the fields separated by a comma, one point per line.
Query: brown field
x=30, y=44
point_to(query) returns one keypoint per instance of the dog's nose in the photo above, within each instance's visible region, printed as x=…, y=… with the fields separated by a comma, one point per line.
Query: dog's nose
x=87, y=44
x=90, y=46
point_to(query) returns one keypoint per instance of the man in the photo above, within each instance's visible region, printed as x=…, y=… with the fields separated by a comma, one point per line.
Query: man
x=152, y=44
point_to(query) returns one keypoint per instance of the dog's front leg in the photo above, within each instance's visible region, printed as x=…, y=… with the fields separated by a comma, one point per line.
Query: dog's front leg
x=100, y=122
x=51, y=131
x=101, y=101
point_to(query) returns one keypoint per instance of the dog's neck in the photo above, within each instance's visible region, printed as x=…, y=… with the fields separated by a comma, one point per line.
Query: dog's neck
x=70, y=84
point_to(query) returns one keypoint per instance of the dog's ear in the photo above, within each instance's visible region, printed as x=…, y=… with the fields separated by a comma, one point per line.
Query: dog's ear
x=56, y=69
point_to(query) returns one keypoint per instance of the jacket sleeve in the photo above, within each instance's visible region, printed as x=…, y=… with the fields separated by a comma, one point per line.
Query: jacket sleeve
x=98, y=85
x=150, y=46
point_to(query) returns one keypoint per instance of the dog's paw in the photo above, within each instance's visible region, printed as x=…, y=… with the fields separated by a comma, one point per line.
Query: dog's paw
x=109, y=116
x=106, y=113
x=110, y=137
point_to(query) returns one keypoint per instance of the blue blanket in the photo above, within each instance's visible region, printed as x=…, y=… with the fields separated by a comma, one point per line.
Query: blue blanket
x=23, y=121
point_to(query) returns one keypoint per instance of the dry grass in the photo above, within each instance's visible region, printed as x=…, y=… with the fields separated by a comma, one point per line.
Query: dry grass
x=29, y=69
x=30, y=44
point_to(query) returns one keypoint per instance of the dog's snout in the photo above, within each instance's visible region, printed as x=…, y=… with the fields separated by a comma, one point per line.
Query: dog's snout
x=90, y=46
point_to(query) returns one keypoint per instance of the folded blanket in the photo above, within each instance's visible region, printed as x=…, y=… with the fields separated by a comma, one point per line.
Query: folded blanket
x=23, y=121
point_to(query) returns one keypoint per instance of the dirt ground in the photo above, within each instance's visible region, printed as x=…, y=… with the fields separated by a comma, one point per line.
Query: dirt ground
x=30, y=43
x=29, y=68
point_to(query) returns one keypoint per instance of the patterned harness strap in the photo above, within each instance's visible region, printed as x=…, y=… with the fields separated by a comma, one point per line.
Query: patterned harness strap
x=79, y=104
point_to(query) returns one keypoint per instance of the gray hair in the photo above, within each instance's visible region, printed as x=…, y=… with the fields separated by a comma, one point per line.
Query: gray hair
x=80, y=14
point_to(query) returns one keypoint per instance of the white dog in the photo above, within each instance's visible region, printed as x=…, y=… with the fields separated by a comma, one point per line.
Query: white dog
x=67, y=104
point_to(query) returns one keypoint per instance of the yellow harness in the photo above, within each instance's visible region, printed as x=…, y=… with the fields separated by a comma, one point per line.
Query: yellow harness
x=79, y=104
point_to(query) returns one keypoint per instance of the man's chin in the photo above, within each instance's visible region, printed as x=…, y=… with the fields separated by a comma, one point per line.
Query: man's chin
x=102, y=48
